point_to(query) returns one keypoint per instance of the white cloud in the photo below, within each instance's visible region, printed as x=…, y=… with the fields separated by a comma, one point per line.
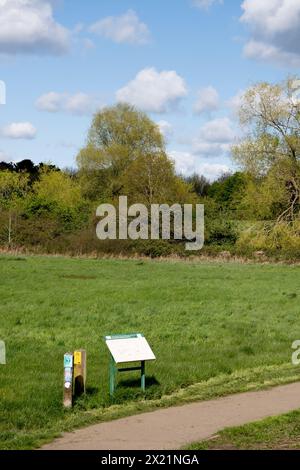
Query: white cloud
x=154, y=91
x=272, y=15
x=217, y=131
x=185, y=162
x=275, y=30
x=207, y=100
x=78, y=104
x=235, y=102
x=188, y=163
x=19, y=130
x=214, y=139
x=165, y=128
x=28, y=27
x=209, y=149
x=4, y=157
x=206, y=4
x=50, y=102
x=126, y=28
x=268, y=53
x=213, y=171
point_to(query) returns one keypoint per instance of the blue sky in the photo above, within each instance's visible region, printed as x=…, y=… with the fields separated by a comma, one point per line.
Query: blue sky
x=185, y=62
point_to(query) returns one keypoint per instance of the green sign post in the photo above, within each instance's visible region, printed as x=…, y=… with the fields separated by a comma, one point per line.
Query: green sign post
x=128, y=349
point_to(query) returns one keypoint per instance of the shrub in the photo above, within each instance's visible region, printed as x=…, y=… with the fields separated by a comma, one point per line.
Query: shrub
x=221, y=232
x=280, y=240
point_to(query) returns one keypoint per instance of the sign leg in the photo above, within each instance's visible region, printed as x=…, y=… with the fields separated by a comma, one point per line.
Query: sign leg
x=112, y=371
x=143, y=377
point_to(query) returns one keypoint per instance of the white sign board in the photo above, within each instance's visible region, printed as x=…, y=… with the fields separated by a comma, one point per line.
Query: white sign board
x=130, y=350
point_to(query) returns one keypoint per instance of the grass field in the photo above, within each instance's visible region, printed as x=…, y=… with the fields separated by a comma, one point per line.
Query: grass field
x=215, y=329
x=279, y=433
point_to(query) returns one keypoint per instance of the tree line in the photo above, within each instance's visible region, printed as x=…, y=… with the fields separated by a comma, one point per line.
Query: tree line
x=252, y=210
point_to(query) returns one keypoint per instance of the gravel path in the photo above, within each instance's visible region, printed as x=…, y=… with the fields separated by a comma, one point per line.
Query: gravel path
x=172, y=428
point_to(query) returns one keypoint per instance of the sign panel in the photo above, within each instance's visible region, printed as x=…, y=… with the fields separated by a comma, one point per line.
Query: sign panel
x=77, y=357
x=130, y=349
x=68, y=360
x=68, y=374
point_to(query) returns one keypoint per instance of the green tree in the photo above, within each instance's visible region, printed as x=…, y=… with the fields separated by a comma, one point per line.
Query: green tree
x=228, y=190
x=151, y=179
x=57, y=188
x=270, y=114
x=119, y=136
x=56, y=196
x=199, y=183
x=13, y=189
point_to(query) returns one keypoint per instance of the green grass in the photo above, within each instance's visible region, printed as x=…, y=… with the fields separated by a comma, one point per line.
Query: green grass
x=279, y=433
x=215, y=329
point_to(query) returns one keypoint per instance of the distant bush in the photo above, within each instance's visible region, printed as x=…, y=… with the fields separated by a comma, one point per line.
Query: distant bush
x=279, y=240
x=156, y=248
x=221, y=232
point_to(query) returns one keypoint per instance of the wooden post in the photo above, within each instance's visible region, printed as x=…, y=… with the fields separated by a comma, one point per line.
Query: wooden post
x=79, y=372
x=68, y=380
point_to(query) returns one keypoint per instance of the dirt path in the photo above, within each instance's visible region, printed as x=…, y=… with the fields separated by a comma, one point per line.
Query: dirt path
x=173, y=428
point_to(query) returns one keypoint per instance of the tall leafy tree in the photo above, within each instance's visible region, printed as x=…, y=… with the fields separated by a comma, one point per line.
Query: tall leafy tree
x=270, y=151
x=199, y=183
x=120, y=136
x=57, y=188
x=13, y=190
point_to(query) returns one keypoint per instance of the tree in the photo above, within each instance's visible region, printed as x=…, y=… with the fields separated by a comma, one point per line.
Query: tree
x=6, y=166
x=199, y=183
x=56, y=200
x=57, y=188
x=151, y=179
x=125, y=155
x=228, y=190
x=26, y=166
x=143, y=177
x=271, y=149
x=13, y=189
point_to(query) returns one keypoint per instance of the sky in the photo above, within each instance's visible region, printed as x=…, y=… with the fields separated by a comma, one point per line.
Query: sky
x=184, y=62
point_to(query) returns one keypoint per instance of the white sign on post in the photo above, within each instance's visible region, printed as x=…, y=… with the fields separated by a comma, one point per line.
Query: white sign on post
x=133, y=349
